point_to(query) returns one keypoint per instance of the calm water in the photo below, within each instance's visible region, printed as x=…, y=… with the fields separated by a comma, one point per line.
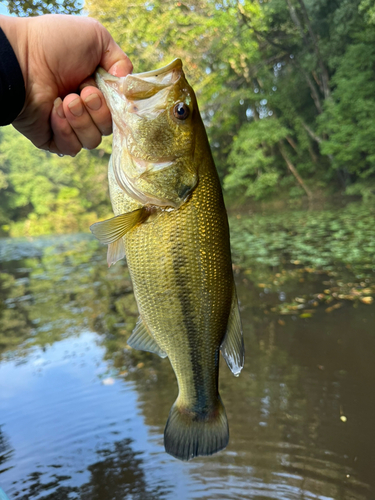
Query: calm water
x=82, y=415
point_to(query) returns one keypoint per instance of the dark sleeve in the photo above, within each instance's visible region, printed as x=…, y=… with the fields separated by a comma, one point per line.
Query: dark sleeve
x=12, y=86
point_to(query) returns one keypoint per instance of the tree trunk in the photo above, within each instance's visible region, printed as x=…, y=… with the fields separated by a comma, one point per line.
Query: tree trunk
x=323, y=69
x=314, y=92
x=294, y=171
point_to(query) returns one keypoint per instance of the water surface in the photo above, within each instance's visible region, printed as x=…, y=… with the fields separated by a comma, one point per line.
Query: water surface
x=82, y=415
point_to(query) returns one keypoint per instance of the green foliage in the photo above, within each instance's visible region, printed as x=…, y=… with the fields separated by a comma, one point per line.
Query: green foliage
x=253, y=158
x=38, y=7
x=42, y=193
x=252, y=60
x=349, y=116
x=368, y=8
x=286, y=91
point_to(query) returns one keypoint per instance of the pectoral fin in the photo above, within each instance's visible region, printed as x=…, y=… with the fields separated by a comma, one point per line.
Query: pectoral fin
x=232, y=347
x=115, y=252
x=110, y=230
x=142, y=340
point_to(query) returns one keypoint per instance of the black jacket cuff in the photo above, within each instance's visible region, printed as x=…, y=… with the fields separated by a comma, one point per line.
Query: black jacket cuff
x=12, y=86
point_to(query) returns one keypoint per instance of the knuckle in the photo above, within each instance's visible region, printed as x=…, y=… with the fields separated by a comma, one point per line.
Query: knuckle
x=94, y=143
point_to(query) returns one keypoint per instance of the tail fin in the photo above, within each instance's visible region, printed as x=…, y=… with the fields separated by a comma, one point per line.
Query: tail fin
x=188, y=435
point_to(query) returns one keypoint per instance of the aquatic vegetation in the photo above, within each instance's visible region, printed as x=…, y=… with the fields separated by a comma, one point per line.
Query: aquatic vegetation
x=276, y=273
x=319, y=239
x=335, y=249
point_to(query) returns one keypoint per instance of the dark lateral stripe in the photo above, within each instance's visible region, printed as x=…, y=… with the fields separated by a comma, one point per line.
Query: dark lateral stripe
x=187, y=308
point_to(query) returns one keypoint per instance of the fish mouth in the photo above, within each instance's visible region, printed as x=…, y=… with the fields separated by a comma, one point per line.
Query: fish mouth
x=146, y=85
x=139, y=86
x=175, y=64
x=144, y=94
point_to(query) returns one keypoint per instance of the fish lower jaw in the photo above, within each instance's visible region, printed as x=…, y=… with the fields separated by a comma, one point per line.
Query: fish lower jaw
x=146, y=166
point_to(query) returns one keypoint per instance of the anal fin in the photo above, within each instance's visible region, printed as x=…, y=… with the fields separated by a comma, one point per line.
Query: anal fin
x=232, y=347
x=142, y=340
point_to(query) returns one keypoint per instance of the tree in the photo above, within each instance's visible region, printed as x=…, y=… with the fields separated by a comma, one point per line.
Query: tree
x=25, y=8
x=284, y=86
x=348, y=119
x=48, y=194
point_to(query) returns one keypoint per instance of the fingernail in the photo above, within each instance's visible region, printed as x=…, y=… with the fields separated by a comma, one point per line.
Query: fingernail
x=121, y=68
x=93, y=102
x=76, y=107
x=57, y=104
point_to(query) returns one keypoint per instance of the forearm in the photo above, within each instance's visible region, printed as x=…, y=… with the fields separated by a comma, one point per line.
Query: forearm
x=12, y=84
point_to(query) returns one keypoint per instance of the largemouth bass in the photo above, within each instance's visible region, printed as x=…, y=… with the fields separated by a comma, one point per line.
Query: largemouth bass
x=170, y=221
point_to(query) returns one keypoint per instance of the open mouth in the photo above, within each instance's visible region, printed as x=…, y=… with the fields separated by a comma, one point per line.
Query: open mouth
x=164, y=76
x=139, y=86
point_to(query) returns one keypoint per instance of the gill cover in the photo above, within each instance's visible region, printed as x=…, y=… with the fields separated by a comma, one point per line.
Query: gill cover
x=153, y=134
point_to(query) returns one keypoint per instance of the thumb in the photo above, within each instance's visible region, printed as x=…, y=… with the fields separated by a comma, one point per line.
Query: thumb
x=121, y=68
x=113, y=59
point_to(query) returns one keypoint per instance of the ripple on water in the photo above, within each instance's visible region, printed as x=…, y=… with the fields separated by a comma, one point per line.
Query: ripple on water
x=297, y=476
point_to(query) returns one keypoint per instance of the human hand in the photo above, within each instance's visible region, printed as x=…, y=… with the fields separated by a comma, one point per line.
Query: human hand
x=57, y=54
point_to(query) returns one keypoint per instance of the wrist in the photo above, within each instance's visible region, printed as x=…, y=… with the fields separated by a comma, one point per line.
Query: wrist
x=13, y=65
x=16, y=29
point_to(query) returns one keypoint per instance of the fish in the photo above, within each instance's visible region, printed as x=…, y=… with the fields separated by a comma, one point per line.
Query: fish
x=171, y=223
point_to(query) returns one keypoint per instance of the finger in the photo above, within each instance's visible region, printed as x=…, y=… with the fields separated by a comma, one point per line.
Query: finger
x=121, y=68
x=80, y=121
x=64, y=139
x=88, y=82
x=97, y=108
x=113, y=59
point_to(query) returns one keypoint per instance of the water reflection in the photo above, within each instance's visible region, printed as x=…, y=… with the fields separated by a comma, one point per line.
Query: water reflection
x=300, y=414
x=60, y=291
x=118, y=474
x=5, y=451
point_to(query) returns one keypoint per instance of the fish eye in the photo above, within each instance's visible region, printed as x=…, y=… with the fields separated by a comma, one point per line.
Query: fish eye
x=181, y=111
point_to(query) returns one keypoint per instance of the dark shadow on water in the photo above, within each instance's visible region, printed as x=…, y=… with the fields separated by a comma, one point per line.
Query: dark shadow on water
x=6, y=451
x=117, y=475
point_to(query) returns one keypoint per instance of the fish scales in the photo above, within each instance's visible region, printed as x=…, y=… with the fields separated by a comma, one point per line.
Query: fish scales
x=192, y=302
x=179, y=260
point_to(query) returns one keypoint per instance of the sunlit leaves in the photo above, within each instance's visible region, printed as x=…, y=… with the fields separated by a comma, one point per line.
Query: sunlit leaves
x=349, y=117
x=48, y=194
x=254, y=160
x=37, y=7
